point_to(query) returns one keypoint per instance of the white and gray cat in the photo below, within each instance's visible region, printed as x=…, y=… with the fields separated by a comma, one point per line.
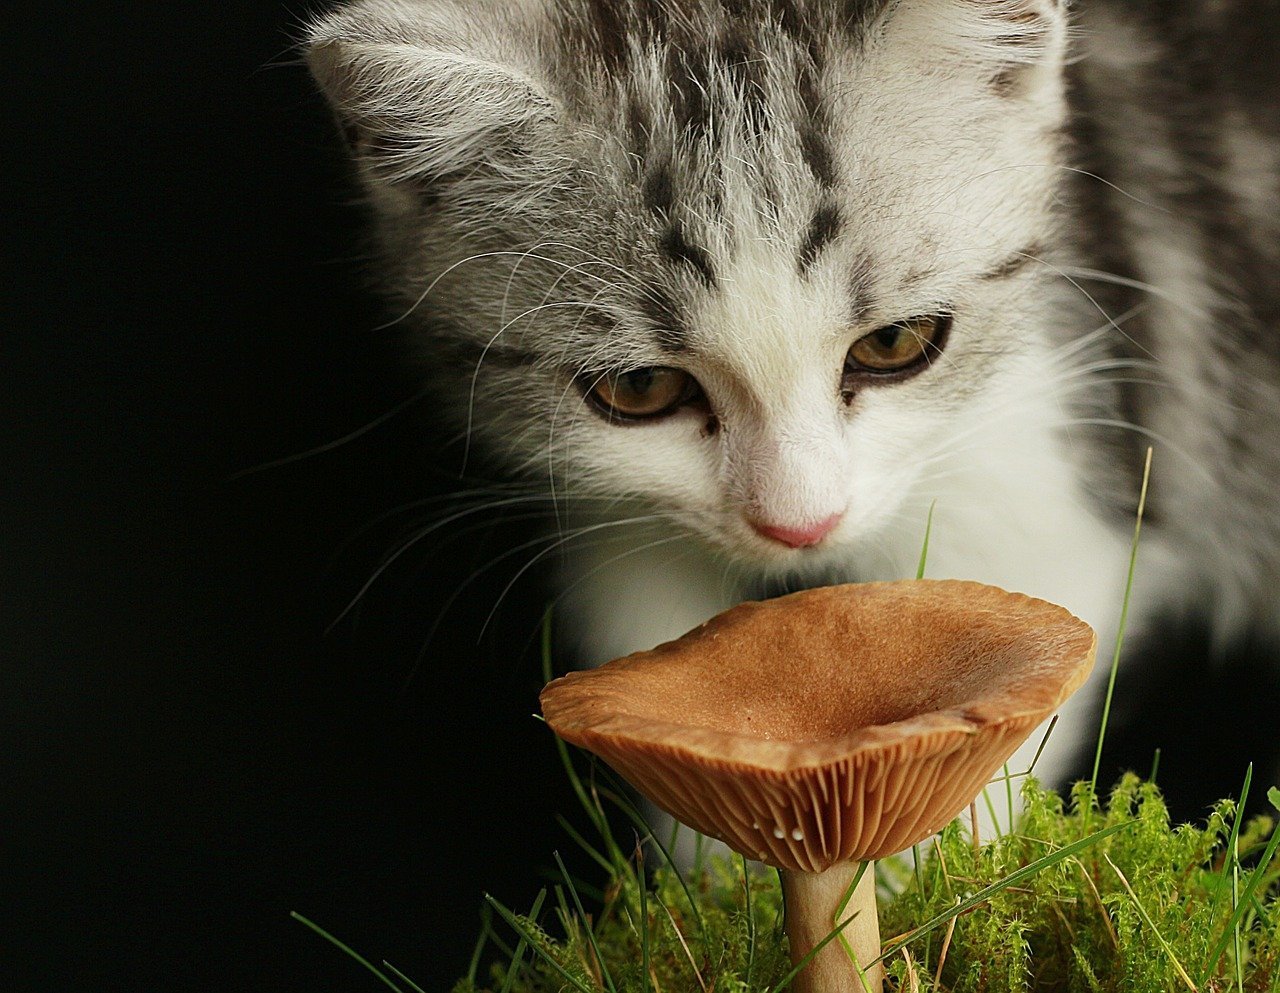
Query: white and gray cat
x=743, y=287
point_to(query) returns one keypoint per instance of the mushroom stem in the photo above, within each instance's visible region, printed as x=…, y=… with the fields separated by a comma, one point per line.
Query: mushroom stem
x=813, y=901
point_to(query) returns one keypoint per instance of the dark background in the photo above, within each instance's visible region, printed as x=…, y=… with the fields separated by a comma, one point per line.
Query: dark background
x=192, y=756
x=188, y=756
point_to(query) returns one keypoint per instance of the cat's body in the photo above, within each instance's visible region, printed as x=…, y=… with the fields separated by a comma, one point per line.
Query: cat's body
x=1079, y=222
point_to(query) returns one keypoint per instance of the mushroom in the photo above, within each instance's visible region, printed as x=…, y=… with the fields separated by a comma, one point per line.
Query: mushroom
x=827, y=729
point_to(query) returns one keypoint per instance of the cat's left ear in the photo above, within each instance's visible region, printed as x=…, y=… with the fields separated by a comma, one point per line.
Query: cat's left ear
x=428, y=90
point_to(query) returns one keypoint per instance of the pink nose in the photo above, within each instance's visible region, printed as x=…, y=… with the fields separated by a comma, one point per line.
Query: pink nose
x=801, y=537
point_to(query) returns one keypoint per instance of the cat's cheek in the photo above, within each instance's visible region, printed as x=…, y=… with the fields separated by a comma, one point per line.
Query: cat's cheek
x=673, y=463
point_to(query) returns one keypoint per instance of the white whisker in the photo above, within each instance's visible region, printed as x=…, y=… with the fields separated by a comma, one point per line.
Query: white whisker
x=560, y=542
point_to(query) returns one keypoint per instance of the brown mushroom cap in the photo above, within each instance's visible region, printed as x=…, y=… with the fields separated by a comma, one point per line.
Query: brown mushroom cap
x=836, y=724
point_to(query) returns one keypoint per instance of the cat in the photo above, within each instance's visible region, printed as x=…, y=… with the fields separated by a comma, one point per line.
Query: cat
x=743, y=288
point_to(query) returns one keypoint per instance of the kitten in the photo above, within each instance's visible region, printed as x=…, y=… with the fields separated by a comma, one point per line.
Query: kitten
x=747, y=286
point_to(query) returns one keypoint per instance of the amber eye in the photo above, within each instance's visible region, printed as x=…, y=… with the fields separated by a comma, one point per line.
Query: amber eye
x=641, y=394
x=907, y=345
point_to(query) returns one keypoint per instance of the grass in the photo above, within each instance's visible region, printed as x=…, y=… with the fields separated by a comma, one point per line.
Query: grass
x=1083, y=897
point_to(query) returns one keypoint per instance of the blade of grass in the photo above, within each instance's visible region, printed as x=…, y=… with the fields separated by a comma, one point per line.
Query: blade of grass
x=843, y=906
x=403, y=978
x=486, y=926
x=527, y=938
x=1232, y=856
x=586, y=924
x=644, y=913
x=946, y=946
x=1097, y=902
x=1008, y=795
x=1015, y=877
x=1151, y=925
x=991, y=812
x=507, y=951
x=593, y=893
x=1044, y=740
x=566, y=915
x=1262, y=914
x=913, y=977
x=346, y=949
x=800, y=966
x=924, y=551
x=585, y=845
x=1255, y=879
x=517, y=960
x=780, y=918
x=617, y=797
x=561, y=748
x=683, y=944
x=1124, y=620
x=593, y=811
x=1235, y=906
x=751, y=920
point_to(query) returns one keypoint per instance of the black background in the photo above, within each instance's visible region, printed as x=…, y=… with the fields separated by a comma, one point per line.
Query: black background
x=188, y=755
x=192, y=756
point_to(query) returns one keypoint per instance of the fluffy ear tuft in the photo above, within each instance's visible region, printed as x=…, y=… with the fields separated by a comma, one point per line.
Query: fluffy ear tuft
x=1023, y=38
x=420, y=100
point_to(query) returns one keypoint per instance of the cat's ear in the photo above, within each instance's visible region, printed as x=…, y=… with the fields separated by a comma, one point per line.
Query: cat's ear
x=1023, y=43
x=425, y=93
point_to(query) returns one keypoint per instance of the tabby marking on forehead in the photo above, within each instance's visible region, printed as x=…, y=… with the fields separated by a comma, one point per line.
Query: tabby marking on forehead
x=668, y=326
x=679, y=250
x=823, y=230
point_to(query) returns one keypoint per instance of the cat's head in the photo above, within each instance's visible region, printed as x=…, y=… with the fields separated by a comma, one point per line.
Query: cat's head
x=750, y=264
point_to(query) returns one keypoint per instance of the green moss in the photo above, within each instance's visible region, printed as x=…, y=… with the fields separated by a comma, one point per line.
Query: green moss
x=1112, y=899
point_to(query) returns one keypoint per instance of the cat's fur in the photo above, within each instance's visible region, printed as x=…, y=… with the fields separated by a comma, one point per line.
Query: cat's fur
x=742, y=188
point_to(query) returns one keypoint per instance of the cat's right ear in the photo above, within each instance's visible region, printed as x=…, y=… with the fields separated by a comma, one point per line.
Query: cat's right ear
x=426, y=96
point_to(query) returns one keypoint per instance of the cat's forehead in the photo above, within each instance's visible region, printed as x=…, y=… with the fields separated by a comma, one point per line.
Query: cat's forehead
x=716, y=126
x=611, y=29
x=711, y=99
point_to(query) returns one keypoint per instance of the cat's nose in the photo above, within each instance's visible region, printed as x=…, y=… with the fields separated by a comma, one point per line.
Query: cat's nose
x=798, y=537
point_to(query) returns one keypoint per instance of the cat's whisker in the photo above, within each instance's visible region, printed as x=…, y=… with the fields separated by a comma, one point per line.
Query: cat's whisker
x=330, y=446
x=1162, y=440
x=462, y=587
x=413, y=540
x=520, y=256
x=1095, y=340
x=453, y=500
x=558, y=542
x=475, y=375
x=626, y=553
x=1089, y=297
x=1062, y=167
x=1097, y=275
x=511, y=278
x=578, y=411
x=569, y=389
x=436, y=281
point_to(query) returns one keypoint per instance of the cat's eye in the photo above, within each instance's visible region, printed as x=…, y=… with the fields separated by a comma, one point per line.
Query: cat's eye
x=642, y=394
x=905, y=346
